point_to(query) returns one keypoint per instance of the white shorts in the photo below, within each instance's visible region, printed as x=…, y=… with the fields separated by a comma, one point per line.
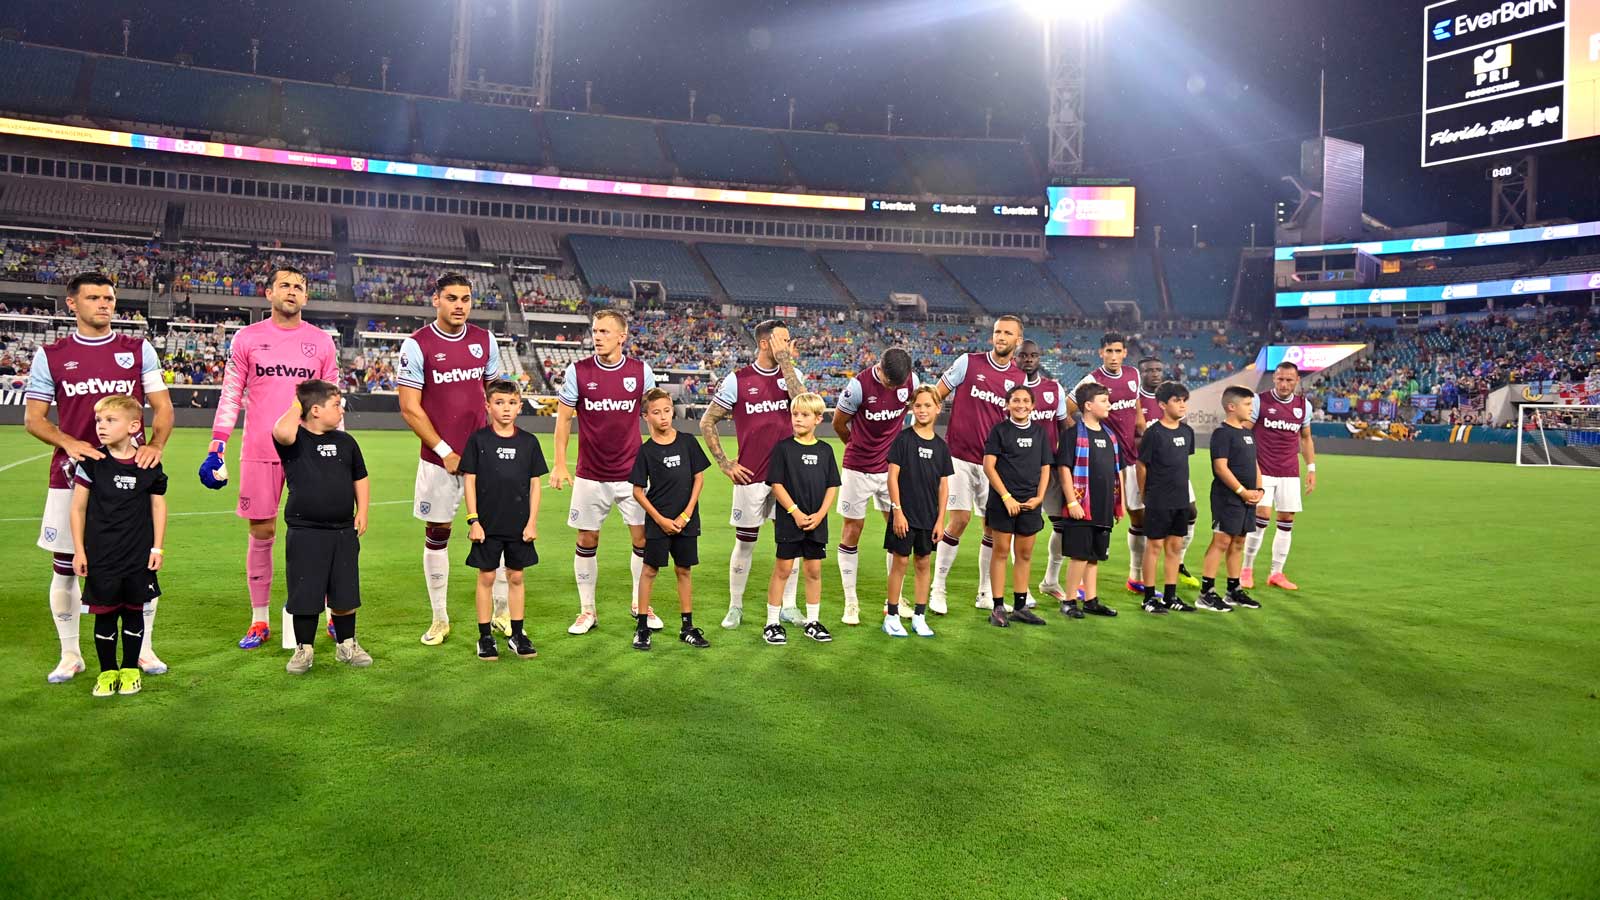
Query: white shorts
x=1054, y=499
x=1191, y=492
x=1282, y=494
x=859, y=487
x=969, y=487
x=55, y=530
x=437, y=494
x=752, y=505
x=1131, y=498
x=592, y=501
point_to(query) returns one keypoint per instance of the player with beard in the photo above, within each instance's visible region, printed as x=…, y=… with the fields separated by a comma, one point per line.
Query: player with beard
x=1050, y=411
x=979, y=383
x=1151, y=371
x=1283, y=434
x=1126, y=423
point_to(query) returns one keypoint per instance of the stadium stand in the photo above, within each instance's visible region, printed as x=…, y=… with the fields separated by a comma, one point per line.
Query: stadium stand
x=290, y=222
x=414, y=233
x=1408, y=277
x=77, y=205
x=933, y=347
x=871, y=276
x=605, y=145
x=517, y=240
x=55, y=258
x=471, y=131
x=610, y=263
x=243, y=272
x=411, y=281
x=1567, y=265
x=987, y=168
x=768, y=276
x=1200, y=281
x=844, y=162
x=547, y=290
x=133, y=90
x=1004, y=284
x=38, y=80
x=316, y=115
x=685, y=338
x=1094, y=273
x=723, y=153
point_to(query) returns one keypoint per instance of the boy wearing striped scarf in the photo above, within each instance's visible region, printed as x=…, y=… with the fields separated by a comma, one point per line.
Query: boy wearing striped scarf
x=1091, y=468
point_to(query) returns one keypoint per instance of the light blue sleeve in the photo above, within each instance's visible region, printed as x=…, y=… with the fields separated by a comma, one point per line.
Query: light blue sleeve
x=568, y=393
x=727, y=392
x=412, y=373
x=850, y=397
x=150, y=370
x=1061, y=402
x=956, y=374
x=41, y=384
x=491, y=369
x=1255, y=407
x=649, y=378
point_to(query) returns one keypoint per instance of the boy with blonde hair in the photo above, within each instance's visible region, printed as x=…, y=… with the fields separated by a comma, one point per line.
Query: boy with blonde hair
x=805, y=481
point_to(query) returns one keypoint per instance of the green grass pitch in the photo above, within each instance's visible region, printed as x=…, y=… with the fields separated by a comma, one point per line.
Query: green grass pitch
x=1420, y=720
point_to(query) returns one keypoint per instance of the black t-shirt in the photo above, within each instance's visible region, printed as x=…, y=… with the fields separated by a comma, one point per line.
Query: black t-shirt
x=806, y=471
x=118, y=529
x=667, y=473
x=505, y=468
x=1102, y=473
x=322, y=471
x=1019, y=452
x=1165, y=453
x=922, y=463
x=1238, y=447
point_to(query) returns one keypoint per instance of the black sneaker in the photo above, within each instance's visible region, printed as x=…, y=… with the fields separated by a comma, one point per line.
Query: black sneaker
x=519, y=645
x=487, y=648
x=1154, y=606
x=816, y=632
x=998, y=617
x=641, y=638
x=1176, y=604
x=1240, y=598
x=1096, y=608
x=1071, y=609
x=1211, y=602
x=694, y=638
x=1025, y=616
x=774, y=634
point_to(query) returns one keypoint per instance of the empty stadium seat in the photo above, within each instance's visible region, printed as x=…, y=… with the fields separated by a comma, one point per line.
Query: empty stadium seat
x=1200, y=281
x=138, y=91
x=847, y=162
x=764, y=276
x=470, y=131
x=990, y=168
x=517, y=240
x=610, y=264
x=346, y=119
x=1005, y=284
x=1095, y=272
x=872, y=276
x=78, y=204
x=296, y=223
x=725, y=153
x=37, y=80
x=422, y=233
x=606, y=145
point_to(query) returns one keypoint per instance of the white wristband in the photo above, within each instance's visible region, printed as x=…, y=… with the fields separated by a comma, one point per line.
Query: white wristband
x=442, y=449
x=1311, y=467
x=158, y=551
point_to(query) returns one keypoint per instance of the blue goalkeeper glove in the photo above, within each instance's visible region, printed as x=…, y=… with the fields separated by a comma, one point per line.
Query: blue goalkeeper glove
x=214, y=471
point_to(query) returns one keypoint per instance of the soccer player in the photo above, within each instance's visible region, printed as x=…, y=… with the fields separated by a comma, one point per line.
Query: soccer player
x=667, y=477
x=326, y=515
x=1283, y=434
x=1050, y=411
x=501, y=465
x=757, y=398
x=979, y=382
x=119, y=518
x=869, y=415
x=1151, y=376
x=919, y=486
x=1235, y=490
x=74, y=373
x=804, y=482
x=1127, y=423
x=443, y=368
x=1016, y=460
x=266, y=361
x=1091, y=466
x=1164, y=453
x=606, y=393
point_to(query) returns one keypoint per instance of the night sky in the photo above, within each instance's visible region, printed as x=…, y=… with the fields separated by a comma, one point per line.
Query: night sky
x=1202, y=102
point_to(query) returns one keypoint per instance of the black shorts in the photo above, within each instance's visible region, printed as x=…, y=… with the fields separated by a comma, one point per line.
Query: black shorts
x=1164, y=523
x=1230, y=515
x=683, y=548
x=799, y=549
x=109, y=593
x=1083, y=540
x=917, y=542
x=492, y=552
x=1025, y=522
x=324, y=570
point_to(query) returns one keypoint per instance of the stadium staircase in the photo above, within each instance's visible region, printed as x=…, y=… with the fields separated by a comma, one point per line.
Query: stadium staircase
x=850, y=301
x=1067, y=300
x=718, y=292
x=973, y=306
x=1163, y=287
x=516, y=317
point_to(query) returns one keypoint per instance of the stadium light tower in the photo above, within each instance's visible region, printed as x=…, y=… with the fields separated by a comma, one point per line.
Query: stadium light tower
x=536, y=96
x=1068, y=27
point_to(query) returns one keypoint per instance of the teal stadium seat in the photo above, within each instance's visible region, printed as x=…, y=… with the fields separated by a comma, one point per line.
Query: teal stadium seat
x=37, y=80
x=346, y=119
x=1006, y=284
x=1094, y=273
x=137, y=91
x=609, y=264
x=846, y=162
x=606, y=145
x=987, y=168
x=871, y=276
x=1200, y=281
x=450, y=129
x=765, y=276
x=726, y=153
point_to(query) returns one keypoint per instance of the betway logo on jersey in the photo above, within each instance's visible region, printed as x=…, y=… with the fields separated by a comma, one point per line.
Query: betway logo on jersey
x=986, y=396
x=456, y=376
x=607, y=404
x=1281, y=424
x=766, y=406
x=1129, y=403
x=280, y=370
x=882, y=415
x=98, y=386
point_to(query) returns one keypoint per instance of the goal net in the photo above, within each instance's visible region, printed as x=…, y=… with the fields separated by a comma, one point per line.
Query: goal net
x=1550, y=434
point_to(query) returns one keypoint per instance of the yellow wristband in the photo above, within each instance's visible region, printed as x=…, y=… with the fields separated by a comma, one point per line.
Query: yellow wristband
x=793, y=508
x=1005, y=496
x=158, y=551
x=683, y=517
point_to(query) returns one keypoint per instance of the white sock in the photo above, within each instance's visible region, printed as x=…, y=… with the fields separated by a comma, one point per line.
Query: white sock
x=145, y=651
x=1280, y=549
x=791, y=587
x=637, y=568
x=739, y=571
x=985, y=556
x=1188, y=538
x=813, y=611
x=286, y=630
x=847, y=573
x=944, y=558
x=259, y=614
x=1135, y=556
x=1052, y=563
x=436, y=570
x=501, y=592
x=772, y=615
x=1252, y=546
x=584, y=569
x=65, y=598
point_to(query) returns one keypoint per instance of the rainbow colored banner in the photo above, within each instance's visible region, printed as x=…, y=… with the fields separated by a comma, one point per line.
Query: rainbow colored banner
x=1308, y=357
x=1090, y=211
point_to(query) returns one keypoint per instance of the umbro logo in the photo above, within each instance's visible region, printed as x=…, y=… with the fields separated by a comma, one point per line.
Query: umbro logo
x=591, y=385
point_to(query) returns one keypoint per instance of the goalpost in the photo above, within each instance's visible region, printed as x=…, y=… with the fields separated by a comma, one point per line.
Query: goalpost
x=1553, y=434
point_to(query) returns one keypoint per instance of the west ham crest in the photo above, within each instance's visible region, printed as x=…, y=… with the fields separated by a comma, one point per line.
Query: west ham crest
x=630, y=384
x=244, y=503
x=782, y=385
x=424, y=507
x=50, y=535
x=125, y=360
x=358, y=164
x=1010, y=384
x=476, y=350
x=1049, y=396
x=1133, y=384
x=903, y=394
x=308, y=350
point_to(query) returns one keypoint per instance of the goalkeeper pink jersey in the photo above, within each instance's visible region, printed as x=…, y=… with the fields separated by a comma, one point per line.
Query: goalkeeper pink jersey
x=265, y=364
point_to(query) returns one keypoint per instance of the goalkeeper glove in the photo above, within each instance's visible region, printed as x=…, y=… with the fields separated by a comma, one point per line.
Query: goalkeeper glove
x=214, y=471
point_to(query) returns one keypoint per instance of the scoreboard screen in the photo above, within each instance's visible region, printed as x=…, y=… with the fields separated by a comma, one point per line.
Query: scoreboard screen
x=1090, y=211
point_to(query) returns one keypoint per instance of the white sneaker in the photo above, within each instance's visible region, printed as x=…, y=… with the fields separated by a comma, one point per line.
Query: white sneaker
x=151, y=664
x=301, y=662
x=790, y=615
x=436, y=633
x=1053, y=591
x=905, y=610
x=1031, y=603
x=937, y=605
x=500, y=621
x=64, y=671
x=584, y=624
x=734, y=617
x=852, y=614
x=919, y=625
x=984, y=602
x=893, y=628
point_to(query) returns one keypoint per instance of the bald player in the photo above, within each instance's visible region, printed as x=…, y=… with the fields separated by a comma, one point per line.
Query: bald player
x=1283, y=434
